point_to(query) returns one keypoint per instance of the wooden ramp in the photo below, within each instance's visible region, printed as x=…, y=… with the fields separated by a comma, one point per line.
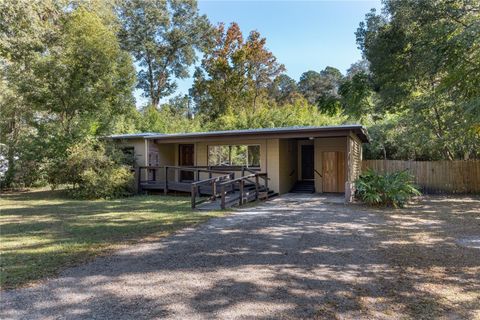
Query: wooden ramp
x=232, y=199
x=219, y=185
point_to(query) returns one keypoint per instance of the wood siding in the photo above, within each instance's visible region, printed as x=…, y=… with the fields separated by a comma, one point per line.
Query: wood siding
x=435, y=176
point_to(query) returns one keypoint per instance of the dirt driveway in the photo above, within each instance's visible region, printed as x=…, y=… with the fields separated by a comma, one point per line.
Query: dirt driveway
x=292, y=257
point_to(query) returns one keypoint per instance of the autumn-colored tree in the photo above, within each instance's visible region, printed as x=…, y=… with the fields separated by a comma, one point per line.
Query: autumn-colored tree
x=234, y=72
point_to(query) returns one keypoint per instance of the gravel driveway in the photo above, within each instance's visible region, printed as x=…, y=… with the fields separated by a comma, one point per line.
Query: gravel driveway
x=293, y=257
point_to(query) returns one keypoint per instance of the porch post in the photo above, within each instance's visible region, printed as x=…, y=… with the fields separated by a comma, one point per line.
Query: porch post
x=165, y=190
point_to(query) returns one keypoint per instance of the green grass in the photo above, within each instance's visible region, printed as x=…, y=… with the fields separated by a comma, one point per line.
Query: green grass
x=42, y=232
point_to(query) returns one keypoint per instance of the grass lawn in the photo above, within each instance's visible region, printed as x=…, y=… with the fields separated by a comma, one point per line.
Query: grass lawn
x=42, y=232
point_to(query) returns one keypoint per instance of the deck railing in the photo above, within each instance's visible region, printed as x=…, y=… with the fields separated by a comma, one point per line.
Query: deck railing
x=243, y=197
x=217, y=183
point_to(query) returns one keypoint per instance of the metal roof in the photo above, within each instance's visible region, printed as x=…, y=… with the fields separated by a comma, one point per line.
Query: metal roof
x=359, y=130
x=133, y=135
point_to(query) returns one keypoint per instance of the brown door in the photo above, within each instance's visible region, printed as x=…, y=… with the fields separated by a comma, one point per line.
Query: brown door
x=308, y=162
x=186, y=153
x=333, y=172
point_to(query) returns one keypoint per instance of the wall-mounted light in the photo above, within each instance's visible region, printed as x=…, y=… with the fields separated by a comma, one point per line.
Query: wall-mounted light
x=311, y=138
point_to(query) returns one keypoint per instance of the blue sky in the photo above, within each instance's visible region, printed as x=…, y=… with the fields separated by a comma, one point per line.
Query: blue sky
x=303, y=35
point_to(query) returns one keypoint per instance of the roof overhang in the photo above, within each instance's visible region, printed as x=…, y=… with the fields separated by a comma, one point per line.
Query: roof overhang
x=272, y=133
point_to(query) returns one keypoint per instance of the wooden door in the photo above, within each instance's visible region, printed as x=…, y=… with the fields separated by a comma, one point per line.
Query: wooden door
x=333, y=172
x=186, y=159
x=308, y=162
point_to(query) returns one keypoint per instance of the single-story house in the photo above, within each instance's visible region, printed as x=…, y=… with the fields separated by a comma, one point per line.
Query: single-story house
x=328, y=158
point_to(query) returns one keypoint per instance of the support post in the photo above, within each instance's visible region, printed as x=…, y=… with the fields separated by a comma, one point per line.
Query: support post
x=165, y=189
x=256, y=187
x=222, y=203
x=193, y=191
x=266, y=187
x=139, y=179
x=214, y=189
x=198, y=175
x=241, y=192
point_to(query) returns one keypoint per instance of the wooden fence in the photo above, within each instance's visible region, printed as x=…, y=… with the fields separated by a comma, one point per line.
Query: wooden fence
x=435, y=176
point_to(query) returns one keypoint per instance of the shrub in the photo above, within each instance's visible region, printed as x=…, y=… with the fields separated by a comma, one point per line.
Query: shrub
x=95, y=170
x=390, y=189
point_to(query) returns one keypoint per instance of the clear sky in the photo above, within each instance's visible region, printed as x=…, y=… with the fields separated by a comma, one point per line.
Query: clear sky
x=303, y=35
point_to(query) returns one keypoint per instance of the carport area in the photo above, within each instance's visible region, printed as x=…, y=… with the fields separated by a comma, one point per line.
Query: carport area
x=296, y=256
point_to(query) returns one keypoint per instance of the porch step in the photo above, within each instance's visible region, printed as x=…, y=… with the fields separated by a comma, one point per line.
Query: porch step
x=303, y=187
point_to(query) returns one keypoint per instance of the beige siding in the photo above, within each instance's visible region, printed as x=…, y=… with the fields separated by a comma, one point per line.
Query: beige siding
x=273, y=165
x=139, y=147
x=287, y=165
x=322, y=145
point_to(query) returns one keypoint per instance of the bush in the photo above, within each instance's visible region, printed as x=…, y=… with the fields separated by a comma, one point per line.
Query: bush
x=391, y=189
x=95, y=170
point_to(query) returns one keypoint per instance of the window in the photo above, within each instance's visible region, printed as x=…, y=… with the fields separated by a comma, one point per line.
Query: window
x=234, y=155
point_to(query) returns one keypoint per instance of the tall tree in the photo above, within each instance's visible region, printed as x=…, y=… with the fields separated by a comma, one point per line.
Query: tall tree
x=67, y=78
x=284, y=89
x=26, y=30
x=321, y=88
x=358, y=97
x=234, y=72
x=162, y=36
x=261, y=65
x=310, y=85
x=424, y=59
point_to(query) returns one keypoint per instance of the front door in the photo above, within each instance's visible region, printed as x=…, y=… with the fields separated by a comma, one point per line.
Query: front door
x=308, y=162
x=333, y=172
x=186, y=153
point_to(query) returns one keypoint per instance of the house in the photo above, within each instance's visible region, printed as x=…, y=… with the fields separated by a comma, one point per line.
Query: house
x=316, y=159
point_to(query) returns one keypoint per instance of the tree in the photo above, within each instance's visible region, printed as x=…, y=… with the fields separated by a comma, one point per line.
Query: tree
x=162, y=37
x=310, y=85
x=261, y=65
x=234, y=73
x=358, y=97
x=26, y=30
x=84, y=80
x=424, y=57
x=66, y=79
x=329, y=99
x=284, y=89
x=269, y=115
x=168, y=119
x=321, y=88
